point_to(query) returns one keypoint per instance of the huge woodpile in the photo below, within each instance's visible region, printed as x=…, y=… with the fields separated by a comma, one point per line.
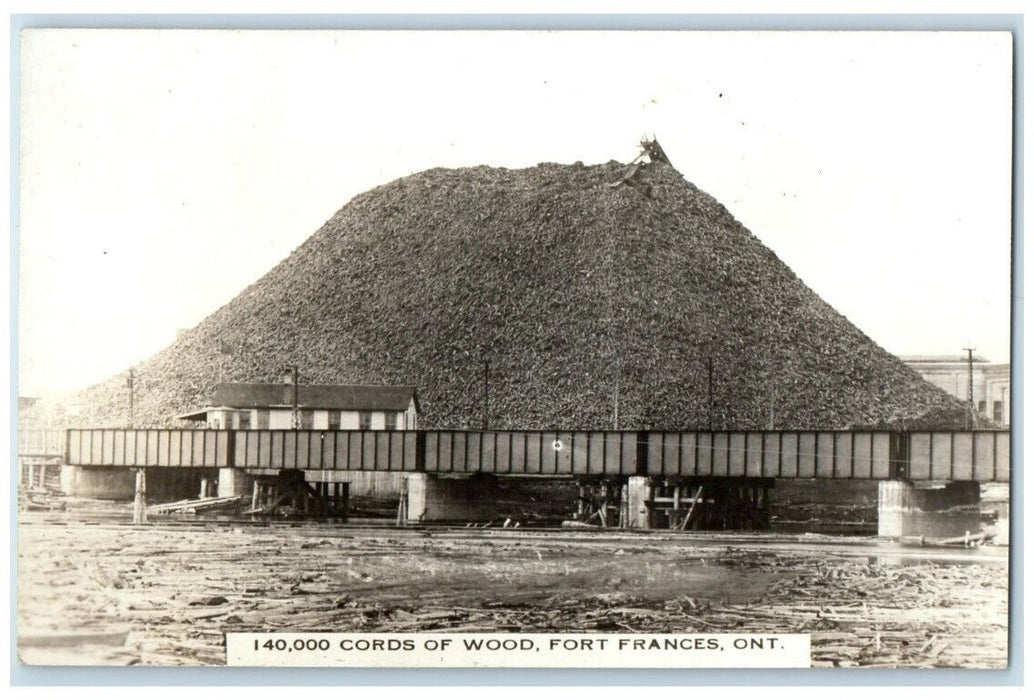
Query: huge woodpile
x=572, y=286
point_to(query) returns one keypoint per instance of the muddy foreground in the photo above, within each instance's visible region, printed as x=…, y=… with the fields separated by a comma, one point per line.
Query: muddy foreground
x=176, y=588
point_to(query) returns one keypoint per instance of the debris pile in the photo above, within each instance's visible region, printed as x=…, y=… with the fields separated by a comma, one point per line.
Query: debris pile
x=577, y=287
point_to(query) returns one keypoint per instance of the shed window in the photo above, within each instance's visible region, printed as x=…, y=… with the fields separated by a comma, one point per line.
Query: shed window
x=305, y=419
x=391, y=421
x=244, y=420
x=365, y=420
x=998, y=411
x=262, y=419
x=334, y=420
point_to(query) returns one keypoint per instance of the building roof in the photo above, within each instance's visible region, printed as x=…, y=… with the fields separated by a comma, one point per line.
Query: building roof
x=943, y=359
x=323, y=396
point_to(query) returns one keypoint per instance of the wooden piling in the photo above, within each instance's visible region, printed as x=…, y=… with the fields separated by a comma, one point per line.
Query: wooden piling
x=402, y=516
x=140, y=498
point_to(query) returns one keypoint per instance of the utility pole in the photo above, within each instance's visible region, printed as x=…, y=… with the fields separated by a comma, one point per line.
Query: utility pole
x=710, y=393
x=484, y=416
x=616, y=396
x=129, y=383
x=296, y=422
x=969, y=390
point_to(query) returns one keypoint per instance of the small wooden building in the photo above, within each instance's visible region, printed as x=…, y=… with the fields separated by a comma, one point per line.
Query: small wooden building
x=319, y=407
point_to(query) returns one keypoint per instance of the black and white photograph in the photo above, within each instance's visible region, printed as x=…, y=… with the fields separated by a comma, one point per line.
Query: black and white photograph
x=514, y=348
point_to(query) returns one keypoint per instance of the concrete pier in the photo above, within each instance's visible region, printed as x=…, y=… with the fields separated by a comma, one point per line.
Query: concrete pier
x=951, y=510
x=234, y=481
x=638, y=491
x=445, y=499
x=1002, y=523
x=98, y=482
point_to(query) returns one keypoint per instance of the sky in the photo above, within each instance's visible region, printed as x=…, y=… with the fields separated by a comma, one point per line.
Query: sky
x=162, y=171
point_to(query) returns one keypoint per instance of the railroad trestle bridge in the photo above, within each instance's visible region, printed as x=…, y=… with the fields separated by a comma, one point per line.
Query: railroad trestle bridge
x=637, y=479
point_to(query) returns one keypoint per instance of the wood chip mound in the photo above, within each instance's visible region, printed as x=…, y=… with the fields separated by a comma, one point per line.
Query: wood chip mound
x=573, y=283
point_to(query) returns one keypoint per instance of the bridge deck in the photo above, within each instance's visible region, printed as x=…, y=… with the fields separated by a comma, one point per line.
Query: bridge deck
x=956, y=455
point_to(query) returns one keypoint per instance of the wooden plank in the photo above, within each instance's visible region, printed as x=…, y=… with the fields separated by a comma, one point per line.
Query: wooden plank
x=720, y=454
x=533, y=453
x=788, y=457
x=265, y=449
x=579, y=453
x=473, y=441
x=74, y=438
x=705, y=454
x=688, y=454
x=655, y=454
x=396, y=451
x=824, y=455
x=755, y=454
x=432, y=452
x=487, y=457
x=880, y=456
x=737, y=454
x=211, y=458
x=807, y=455
x=1001, y=466
x=861, y=456
x=565, y=456
x=919, y=455
x=96, y=453
x=844, y=455
x=940, y=456
x=133, y=452
x=459, y=451
x=413, y=454
x=549, y=455
x=298, y=448
x=153, y=447
x=329, y=446
x=353, y=449
x=672, y=454
x=962, y=454
x=771, y=457
x=984, y=460
x=595, y=452
x=276, y=449
x=629, y=449
x=197, y=454
x=368, y=440
x=118, y=448
x=503, y=452
x=315, y=455
x=518, y=453
x=164, y=450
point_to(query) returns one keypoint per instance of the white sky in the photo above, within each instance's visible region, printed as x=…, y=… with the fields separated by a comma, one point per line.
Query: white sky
x=163, y=171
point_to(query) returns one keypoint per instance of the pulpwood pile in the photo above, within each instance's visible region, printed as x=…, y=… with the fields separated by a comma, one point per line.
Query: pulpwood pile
x=574, y=283
x=178, y=591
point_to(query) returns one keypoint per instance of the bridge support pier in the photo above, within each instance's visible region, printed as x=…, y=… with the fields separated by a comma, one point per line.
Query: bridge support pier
x=234, y=481
x=103, y=483
x=433, y=498
x=638, y=493
x=949, y=511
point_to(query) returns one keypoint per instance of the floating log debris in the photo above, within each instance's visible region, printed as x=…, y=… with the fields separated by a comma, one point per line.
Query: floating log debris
x=861, y=602
x=197, y=505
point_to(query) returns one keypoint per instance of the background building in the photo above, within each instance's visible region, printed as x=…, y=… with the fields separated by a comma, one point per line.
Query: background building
x=991, y=381
x=320, y=407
